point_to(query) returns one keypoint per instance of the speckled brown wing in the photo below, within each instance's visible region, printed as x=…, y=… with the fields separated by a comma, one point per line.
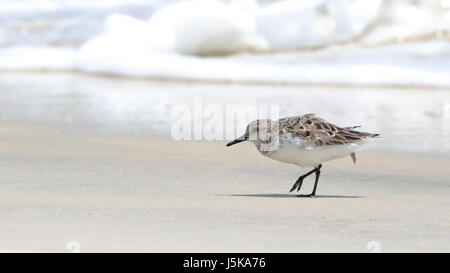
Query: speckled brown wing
x=319, y=132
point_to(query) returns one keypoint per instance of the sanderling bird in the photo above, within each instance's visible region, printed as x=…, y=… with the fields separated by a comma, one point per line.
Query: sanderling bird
x=306, y=141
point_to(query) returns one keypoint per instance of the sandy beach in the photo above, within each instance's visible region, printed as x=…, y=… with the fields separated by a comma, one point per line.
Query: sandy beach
x=90, y=160
x=152, y=194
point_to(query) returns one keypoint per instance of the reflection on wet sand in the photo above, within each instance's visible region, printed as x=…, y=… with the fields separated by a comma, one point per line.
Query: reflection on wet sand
x=416, y=121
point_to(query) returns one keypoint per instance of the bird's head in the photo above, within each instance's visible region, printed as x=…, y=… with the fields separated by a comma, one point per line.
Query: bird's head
x=257, y=131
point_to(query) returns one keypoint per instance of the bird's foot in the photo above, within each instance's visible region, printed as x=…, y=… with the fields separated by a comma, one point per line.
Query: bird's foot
x=297, y=185
x=306, y=195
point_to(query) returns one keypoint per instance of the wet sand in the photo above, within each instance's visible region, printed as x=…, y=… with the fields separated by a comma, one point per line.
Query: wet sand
x=153, y=194
x=411, y=120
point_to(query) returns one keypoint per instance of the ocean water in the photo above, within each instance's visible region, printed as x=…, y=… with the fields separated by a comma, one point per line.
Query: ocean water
x=376, y=42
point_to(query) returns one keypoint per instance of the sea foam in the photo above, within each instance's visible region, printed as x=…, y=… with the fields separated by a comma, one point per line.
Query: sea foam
x=314, y=41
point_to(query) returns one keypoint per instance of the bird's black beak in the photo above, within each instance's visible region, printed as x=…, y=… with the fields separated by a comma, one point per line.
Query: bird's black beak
x=237, y=140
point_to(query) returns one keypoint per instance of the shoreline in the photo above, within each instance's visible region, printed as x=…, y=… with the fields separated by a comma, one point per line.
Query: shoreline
x=164, y=80
x=89, y=105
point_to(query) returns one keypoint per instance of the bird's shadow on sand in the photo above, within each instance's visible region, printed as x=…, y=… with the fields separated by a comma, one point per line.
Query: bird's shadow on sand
x=280, y=195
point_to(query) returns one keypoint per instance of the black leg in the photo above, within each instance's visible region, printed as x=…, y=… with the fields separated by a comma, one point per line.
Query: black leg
x=317, y=180
x=317, y=171
x=298, y=183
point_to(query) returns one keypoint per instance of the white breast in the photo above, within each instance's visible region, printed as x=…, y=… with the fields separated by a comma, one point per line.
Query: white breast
x=310, y=157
